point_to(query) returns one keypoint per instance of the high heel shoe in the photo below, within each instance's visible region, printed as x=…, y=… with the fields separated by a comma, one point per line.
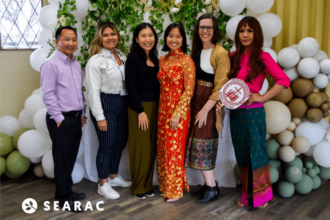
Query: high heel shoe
x=200, y=191
x=210, y=194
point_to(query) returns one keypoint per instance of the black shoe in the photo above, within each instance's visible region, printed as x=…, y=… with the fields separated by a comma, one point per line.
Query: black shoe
x=75, y=196
x=210, y=194
x=140, y=196
x=71, y=205
x=150, y=193
x=200, y=191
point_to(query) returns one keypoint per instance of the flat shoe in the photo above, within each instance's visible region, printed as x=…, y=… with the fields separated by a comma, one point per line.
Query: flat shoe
x=172, y=200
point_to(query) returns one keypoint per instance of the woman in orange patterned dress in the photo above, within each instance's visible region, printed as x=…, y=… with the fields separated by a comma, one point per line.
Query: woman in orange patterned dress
x=177, y=81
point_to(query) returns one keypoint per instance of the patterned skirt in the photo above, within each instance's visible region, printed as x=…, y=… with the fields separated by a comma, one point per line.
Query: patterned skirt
x=248, y=129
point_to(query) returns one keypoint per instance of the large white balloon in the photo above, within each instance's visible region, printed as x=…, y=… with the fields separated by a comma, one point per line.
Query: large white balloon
x=25, y=120
x=271, y=24
x=325, y=66
x=39, y=121
x=45, y=36
x=259, y=6
x=278, y=117
x=308, y=68
x=232, y=7
x=34, y=144
x=268, y=42
x=9, y=125
x=77, y=173
x=292, y=73
x=271, y=52
x=320, y=55
x=288, y=57
x=82, y=9
x=324, y=124
x=48, y=16
x=33, y=104
x=38, y=57
x=312, y=131
x=308, y=47
x=232, y=26
x=321, y=81
x=48, y=162
x=322, y=153
x=264, y=88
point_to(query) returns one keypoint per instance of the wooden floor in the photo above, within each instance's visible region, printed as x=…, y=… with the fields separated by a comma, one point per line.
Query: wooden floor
x=315, y=205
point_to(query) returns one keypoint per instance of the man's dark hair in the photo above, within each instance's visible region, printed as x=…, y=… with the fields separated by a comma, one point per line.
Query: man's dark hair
x=183, y=34
x=59, y=31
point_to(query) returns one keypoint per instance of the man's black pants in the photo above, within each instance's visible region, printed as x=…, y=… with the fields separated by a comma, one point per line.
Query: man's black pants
x=66, y=140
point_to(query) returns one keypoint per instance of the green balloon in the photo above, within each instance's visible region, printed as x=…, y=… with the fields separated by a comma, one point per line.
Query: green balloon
x=310, y=159
x=311, y=173
x=293, y=174
x=276, y=164
x=305, y=185
x=17, y=135
x=236, y=172
x=304, y=170
x=316, y=182
x=317, y=169
x=273, y=147
x=296, y=163
x=16, y=163
x=6, y=144
x=2, y=165
x=11, y=175
x=285, y=189
x=324, y=173
x=273, y=175
x=309, y=165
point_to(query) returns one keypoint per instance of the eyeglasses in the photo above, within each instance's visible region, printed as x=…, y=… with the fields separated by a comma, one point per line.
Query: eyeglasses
x=208, y=28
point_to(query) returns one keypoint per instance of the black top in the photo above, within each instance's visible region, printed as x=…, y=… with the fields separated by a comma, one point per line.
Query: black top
x=141, y=82
x=201, y=74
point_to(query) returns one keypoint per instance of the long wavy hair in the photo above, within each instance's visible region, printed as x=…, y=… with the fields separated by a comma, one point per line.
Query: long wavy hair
x=255, y=62
x=197, y=44
x=96, y=45
x=153, y=54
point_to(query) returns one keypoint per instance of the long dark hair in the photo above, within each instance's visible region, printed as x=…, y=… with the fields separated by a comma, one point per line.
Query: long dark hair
x=135, y=48
x=197, y=44
x=255, y=62
x=183, y=34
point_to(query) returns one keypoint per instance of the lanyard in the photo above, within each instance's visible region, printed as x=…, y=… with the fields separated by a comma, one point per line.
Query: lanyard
x=120, y=69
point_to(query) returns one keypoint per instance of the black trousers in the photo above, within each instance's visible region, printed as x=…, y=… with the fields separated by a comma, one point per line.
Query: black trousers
x=66, y=140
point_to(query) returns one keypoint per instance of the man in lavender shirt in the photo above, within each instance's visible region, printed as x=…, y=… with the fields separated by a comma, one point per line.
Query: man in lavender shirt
x=61, y=83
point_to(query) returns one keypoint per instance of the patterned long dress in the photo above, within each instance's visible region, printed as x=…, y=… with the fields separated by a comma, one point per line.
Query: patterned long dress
x=177, y=80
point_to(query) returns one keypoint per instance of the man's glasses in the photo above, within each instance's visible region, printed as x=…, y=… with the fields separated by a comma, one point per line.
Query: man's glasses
x=208, y=28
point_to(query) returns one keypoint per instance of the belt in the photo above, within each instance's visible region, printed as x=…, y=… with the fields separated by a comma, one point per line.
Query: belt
x=204, y=83
x=73, y=113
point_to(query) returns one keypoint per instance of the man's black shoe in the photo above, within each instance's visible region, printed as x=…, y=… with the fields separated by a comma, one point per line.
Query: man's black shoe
x=75, y=196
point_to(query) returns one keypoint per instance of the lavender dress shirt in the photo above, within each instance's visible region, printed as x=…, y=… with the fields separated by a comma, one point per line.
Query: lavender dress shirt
x=61, y=84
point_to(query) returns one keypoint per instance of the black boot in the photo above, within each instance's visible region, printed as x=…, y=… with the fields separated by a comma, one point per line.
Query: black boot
x=200, y=191
x=210, y=194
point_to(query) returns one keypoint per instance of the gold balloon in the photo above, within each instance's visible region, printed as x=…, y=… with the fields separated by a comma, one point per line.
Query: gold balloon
x=284, y=96
x=324, y=107
x=302, y=87
x=301, y=144
x=325, y=114
x=297, y=107
x=325, y=97
x=314, y=100
x=314, y=115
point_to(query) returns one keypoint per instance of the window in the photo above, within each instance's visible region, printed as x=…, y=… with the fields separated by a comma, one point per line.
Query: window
x=19, y=24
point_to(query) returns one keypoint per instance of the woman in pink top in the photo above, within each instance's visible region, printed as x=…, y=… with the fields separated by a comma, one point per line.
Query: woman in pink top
x=248, y=122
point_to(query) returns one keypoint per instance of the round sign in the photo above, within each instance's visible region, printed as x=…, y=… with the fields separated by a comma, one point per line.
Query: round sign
x=234, y=93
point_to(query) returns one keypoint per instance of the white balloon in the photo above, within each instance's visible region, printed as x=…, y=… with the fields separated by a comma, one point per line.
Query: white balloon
x=82, y=9
x=77, y=173
x=232, y=7
x=297, y=121
x=38, y=170
x=56, y=2
x=292, y=73
x=294, y=46
x=35, y=160
x=33, y=104
x=321, y=81
x=45, y=36
x=34, y=144
x=38, y=57
x=320, y=55
x=48, y=162
x=252, y=14
x=146, y=16
x=308, y=68
x=308, y=47
x=47, y=16
x=324, y=123
x=278, y=117
x=271, y=52
x=36, y=91
x=233, y=48
x=285, y=137
x=268, y=42
x=286, y=154
x=259, y=6
x=288, y=57
x=49, y=175
x=292, y=126
x=271, y=24
x=322, y=153
x=264, y=88
x=9, y=125
x=325, y=66
x=25, y=120
x=39, y=121
x=310, y=151
x=312, y=131
x=232, y=26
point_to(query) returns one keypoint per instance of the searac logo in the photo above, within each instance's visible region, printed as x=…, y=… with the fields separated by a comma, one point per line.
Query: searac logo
x=29, y=206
